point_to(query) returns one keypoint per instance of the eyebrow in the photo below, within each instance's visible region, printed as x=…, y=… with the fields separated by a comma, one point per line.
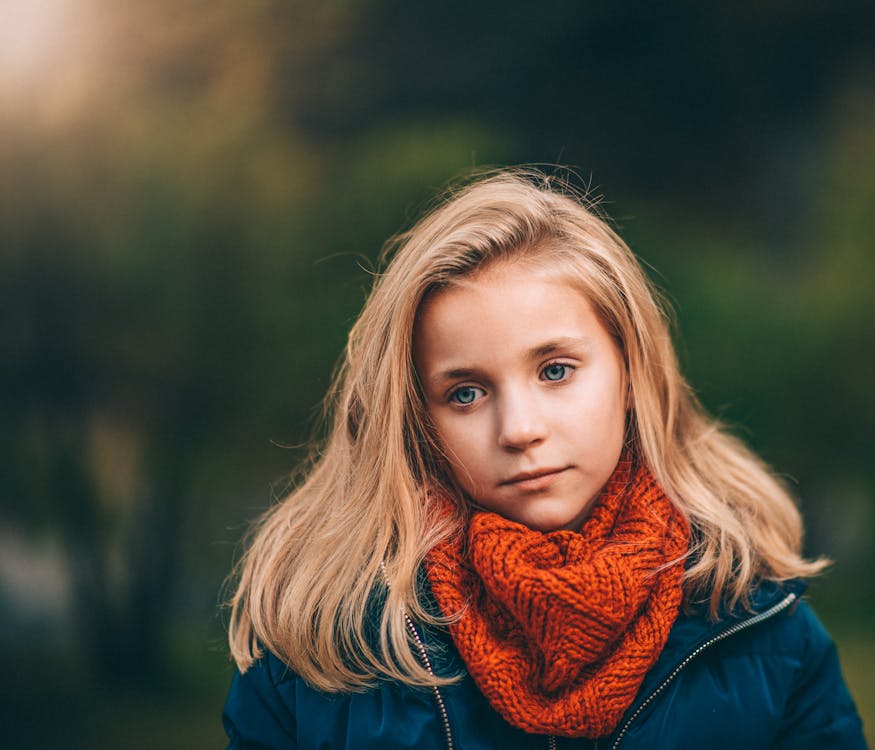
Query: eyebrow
x=543, y=350
x=564, y=342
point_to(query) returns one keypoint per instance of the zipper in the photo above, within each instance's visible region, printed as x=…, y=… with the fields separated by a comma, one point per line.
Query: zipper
x=438, y=698
x=737, y=628
x=423, y=655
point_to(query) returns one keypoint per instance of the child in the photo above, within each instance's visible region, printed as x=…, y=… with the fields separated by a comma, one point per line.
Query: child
x=523, y=531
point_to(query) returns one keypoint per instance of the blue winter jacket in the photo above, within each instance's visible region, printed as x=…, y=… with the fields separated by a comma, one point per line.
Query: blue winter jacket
x=763, y=679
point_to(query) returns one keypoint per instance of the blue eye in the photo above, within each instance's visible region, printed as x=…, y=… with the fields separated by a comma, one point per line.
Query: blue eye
x=466, y=395
x=555, y=372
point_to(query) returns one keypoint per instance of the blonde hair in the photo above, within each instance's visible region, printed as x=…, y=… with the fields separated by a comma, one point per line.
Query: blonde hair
x=311, y=585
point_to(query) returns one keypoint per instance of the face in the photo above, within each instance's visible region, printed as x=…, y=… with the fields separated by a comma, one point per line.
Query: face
x=527, y=392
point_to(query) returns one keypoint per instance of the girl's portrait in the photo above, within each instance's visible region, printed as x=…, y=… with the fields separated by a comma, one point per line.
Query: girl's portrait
x=522, y=529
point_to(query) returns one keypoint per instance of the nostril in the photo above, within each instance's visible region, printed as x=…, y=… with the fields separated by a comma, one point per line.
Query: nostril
x=520, y=437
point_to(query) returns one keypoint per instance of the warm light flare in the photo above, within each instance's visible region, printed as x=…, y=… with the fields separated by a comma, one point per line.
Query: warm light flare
x=34, y=38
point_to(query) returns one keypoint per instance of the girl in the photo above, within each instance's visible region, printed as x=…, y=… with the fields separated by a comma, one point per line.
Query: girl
x=523, y=531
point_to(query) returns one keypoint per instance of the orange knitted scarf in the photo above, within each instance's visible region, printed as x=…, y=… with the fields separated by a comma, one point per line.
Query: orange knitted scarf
x=558, y=629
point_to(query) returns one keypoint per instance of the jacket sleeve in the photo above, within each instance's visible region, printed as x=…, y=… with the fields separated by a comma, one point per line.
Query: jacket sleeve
x=820, y=712
x=259, y=712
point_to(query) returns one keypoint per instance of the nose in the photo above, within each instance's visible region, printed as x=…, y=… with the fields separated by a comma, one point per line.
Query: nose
x=521, y=422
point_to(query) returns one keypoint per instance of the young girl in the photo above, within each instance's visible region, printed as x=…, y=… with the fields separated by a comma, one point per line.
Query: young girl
x=523, y=531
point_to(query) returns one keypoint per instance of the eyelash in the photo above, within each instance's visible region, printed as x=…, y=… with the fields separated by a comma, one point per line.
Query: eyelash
x=454, y=394
x=568, y=369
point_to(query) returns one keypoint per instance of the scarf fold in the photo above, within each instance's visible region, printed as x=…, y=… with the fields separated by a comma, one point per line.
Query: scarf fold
x=558, y=629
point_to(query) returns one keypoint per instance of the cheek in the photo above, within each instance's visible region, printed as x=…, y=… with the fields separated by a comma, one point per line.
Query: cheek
x=615, y=422
x=457, y=443
x=599, y=423
x=463, y=449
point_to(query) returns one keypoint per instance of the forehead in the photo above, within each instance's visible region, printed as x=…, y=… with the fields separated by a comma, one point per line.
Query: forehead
x=501, y=313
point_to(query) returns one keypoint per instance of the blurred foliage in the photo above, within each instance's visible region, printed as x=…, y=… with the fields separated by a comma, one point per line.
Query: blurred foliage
x=193, y=197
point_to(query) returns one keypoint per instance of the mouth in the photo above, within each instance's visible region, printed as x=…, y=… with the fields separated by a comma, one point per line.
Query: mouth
x=534, y=480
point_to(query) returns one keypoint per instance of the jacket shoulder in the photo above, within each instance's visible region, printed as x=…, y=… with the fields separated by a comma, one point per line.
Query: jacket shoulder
x=259, y=710
x=819, y=711
x=270, y=707
x=765, y=679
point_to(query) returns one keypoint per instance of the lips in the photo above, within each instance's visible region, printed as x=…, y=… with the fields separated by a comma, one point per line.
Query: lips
x=534, y=480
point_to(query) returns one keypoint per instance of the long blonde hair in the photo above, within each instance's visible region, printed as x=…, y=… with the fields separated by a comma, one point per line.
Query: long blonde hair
x=311, y=584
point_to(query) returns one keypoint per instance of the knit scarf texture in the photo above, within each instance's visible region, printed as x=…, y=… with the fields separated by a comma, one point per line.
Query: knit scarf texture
x=558, y=629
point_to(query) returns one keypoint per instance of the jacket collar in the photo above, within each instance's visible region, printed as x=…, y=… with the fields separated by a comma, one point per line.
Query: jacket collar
x=692, y=630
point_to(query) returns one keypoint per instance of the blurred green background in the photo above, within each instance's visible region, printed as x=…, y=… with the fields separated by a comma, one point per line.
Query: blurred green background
x=194, y=194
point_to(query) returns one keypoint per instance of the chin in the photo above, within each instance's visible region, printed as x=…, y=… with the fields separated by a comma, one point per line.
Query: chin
x=558, y=522
x=546, y=525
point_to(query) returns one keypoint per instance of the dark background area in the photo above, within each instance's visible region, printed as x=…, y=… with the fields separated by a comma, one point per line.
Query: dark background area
x=193, y=196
